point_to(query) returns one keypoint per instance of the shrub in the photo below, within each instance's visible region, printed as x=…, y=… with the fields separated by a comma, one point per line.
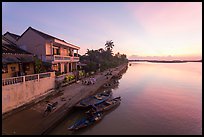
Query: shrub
x=57, y=73
x=81, y=73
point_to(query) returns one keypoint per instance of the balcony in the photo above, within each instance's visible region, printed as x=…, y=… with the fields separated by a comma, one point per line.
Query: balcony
x=75, y=59
x=61, y=58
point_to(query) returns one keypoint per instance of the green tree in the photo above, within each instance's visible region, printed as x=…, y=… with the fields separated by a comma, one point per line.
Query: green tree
x=102, y=59
x=39, y=66
x=109, y=45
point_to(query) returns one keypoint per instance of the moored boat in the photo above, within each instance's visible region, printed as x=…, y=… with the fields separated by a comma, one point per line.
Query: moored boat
x=95, y=99
x=95, y=114
x=106, y=105
x=86, y=121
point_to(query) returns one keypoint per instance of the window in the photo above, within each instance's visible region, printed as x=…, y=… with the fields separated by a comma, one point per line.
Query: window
x=53, y=51
x=67, y=52
x=26, y=67
x=13, y=68
x=4, y=68
x=56, y=51
x=70, y=52
x=55, y=67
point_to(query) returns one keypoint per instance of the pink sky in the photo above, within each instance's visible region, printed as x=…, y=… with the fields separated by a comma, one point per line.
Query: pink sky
x=173, y=29
x=138, y=29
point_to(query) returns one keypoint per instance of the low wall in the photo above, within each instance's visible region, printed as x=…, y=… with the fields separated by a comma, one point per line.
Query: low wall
x=59, y=79
x=18, y=94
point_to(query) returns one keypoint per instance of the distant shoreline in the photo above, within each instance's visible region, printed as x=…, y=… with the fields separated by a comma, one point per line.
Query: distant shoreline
x=165, y=61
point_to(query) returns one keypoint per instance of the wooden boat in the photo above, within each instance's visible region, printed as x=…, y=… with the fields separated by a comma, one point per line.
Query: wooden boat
x=86, y=121
x=106, y=105
x=95, y=114
x=95, y=99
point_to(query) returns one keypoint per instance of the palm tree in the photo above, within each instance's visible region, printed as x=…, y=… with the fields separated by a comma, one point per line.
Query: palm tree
x=109, y=45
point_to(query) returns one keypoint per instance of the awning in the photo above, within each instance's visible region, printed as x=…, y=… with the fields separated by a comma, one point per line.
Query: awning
x=26, y=59
x=10, y=59
x=17, y=59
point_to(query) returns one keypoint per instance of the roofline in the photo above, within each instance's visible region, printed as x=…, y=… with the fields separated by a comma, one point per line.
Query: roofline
x=24, y=33
x=49, y=35
x=10, y=42
x=33, y=31
x=73, y=45
x=5, y=33
x=68, y=44
x=11, y=34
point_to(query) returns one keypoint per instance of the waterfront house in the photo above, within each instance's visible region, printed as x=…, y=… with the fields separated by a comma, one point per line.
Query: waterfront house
x=15, y=61
x=11, y=36
x=62, y=55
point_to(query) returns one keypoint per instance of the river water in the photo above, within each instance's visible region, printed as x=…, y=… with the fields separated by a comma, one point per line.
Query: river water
x=157, y=99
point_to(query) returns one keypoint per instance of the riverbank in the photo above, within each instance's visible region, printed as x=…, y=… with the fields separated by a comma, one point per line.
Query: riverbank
x=30, y=121
x=166, y=61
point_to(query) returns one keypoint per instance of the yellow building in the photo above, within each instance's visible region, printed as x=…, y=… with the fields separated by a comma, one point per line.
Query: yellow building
x=15, y=61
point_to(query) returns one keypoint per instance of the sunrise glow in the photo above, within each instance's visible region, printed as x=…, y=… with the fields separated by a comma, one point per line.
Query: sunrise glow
x=138, y=29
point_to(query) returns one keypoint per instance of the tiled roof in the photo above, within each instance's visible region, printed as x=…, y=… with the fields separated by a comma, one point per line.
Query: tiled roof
x=16, y=58
x=12, y=35
x=9, y=47
x=46, y=36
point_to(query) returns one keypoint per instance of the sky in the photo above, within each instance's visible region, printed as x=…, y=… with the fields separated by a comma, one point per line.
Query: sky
x=141, y=30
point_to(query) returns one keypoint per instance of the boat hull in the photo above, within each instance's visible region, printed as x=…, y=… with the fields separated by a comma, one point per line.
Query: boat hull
x=86, y=121
x=94, y=100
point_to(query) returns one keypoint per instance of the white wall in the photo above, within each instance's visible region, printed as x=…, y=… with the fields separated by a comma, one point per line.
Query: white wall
x=18, y=94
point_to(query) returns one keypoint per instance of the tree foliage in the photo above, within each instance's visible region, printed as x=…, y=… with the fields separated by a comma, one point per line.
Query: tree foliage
x=102, y=59
x=39, y=68
x=109, y=45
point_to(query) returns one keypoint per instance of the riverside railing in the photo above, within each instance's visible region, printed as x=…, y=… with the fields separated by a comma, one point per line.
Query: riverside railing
x=21, y=79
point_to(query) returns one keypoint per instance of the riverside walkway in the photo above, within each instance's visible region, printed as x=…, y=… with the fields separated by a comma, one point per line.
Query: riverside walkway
x=30, y=121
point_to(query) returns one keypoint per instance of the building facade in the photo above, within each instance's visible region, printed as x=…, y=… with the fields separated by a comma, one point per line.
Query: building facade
x=15, y=61
x=62, y=55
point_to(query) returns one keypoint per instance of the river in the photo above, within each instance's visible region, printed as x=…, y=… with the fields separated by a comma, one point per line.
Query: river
x=157, y=99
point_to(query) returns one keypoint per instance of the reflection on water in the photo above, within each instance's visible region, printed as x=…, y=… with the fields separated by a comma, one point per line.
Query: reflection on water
x=157, y=98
